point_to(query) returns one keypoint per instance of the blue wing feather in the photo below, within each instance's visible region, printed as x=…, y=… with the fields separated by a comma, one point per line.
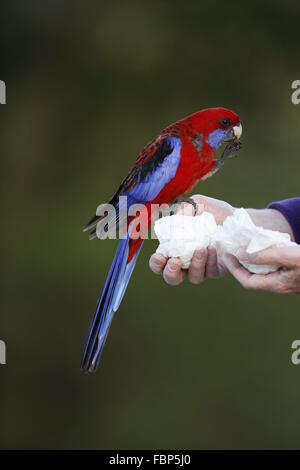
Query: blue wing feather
x=149, y=184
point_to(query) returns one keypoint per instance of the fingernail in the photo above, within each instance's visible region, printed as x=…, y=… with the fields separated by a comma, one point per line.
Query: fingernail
x=156, y=263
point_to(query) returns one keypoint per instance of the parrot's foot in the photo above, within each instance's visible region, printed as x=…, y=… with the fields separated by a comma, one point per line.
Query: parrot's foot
x=230, y=151
x=188, y=200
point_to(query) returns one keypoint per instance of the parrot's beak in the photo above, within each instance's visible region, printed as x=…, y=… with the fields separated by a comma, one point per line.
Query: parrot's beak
x=234, y=133
x=237, y=130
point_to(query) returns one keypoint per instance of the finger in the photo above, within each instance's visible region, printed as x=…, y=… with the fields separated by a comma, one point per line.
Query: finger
x=236, y=269
x=212, y=269
x=173, y=274
x=157, y=263
x=220, y=253
x=197, y=267
x=268, y=282
x=283, y=256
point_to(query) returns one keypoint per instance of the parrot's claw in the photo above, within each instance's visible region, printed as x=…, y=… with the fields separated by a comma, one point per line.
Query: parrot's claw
x=230, y=151
x=188, y=200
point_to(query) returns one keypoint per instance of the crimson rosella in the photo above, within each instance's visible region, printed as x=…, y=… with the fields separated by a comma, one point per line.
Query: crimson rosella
x=168, y=167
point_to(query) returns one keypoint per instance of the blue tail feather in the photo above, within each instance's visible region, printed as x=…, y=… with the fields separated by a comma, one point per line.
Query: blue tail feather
x=110, y=299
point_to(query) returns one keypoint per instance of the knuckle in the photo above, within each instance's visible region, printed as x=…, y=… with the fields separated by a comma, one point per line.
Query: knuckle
x=155, y=264
x=174, y=265
x=199, y=256
x=174, y=262
x=198, y=198
x=283, y=289
x=197, y=265
x=211, y=262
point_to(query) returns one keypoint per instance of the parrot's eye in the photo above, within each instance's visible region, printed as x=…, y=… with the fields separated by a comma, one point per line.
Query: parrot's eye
x=225, y=122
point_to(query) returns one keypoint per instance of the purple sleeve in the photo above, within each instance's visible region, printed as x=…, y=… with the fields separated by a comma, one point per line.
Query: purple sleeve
x=290, y=209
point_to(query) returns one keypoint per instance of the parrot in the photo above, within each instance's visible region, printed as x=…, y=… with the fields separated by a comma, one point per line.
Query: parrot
x=167, y=169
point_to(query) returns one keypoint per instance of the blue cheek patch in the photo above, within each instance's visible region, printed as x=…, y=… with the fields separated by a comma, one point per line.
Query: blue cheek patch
x=216, y=137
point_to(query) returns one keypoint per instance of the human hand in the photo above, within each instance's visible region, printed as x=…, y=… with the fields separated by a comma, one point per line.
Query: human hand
x=204, y=263
x=219, y=209
x=284, y=281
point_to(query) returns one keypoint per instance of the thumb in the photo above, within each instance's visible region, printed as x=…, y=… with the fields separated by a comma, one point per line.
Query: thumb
x=282, y=256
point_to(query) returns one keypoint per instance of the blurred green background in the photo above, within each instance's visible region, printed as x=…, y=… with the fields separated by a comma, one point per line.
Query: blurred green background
x=88, y=84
